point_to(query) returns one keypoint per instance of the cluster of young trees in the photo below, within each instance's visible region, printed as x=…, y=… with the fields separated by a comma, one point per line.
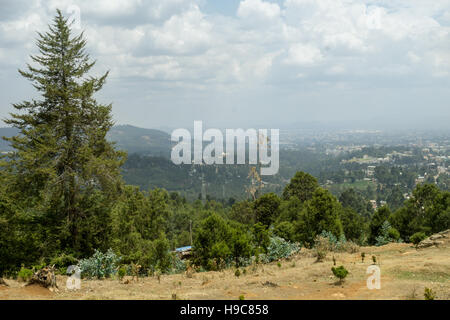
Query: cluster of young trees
x=61, y=192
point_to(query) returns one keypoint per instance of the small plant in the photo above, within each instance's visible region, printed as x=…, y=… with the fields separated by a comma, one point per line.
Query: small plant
x=279, y=264
x=279, y=249
x=417, y=237
x=100, y=265
x=340, y=273
x=334, y=261
x=241, y=297
x=374, y=260
x=429, y=294
x=321, y=255
x=244, y=272
x=237, y=273
x=158, y=275
x=363, y=255
x=24, y=274
x=293, y=264
x=122, y=272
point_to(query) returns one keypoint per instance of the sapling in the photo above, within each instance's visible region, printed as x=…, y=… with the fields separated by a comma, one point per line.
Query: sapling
x=340, y=272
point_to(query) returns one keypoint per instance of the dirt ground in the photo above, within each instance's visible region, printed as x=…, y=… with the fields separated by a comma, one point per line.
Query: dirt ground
x=405, y=272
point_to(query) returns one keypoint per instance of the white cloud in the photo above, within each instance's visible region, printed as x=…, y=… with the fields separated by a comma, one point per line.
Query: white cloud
x=258, y=10
x=303, y=55
x=177, y=44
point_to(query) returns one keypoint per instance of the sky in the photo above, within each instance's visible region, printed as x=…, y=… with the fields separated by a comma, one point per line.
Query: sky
x=250, y=63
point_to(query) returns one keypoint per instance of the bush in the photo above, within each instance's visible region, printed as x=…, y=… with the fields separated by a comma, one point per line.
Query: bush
x=320, y=254
x=417, y=237
x=100, y=265
x=62, y=261
x=279, y=249
x=387, y=234
x=340, y=272
x=122, y=272
x=24, y=274
x=178, y=265
x=429, y=294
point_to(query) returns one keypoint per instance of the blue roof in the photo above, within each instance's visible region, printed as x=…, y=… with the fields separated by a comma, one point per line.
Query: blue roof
x=183, y=249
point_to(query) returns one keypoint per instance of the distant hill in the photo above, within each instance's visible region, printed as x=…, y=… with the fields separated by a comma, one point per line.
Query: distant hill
x=129, y=138
x=139, y=140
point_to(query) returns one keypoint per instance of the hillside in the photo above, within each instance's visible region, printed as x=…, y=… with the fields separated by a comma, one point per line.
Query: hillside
x=139, y=140
x=405, y=272
x=132, y=139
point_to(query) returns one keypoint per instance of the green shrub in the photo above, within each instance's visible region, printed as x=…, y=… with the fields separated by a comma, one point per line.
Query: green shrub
x=24, y=274
x=363, y=255
x=62, y=261
x=417, y=237
x=241, y=297
x=178, y=265
x=279, y=249
x=340, y=272
x=122, y=272
x=429, y=294
x=237, y=273
x=100, y=265
x=387, y=234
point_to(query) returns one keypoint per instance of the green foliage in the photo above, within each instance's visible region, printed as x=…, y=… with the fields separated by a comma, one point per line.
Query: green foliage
x=302, y=185
x=376, y=223
x=279, y=249
x=24, y=274
x=62, y=170
x=353, y=224
x=63, y=261
x=285, y=230
x=261, y=236
x=241, y=297
x=320, y=213
x=429, y=294
x=417, y=237
x=237, y=273
x=353, y=199
x=178, y=265
x=267, y=208
x=428, y=211
x=122, y=272
x=243, y=212
x=99, y=265
x=340, y=273
x=363, y=255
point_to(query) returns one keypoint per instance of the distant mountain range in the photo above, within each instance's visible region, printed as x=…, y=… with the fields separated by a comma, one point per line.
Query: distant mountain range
x=132, y=139
x=148, y=142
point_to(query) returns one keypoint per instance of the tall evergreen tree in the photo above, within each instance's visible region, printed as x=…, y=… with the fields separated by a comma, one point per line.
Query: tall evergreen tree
x=62, y=165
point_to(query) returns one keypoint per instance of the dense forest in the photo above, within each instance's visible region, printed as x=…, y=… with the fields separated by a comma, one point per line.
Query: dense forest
x=63, y=198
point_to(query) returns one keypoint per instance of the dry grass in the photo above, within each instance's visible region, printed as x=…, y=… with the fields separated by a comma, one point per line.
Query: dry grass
x=405, y=272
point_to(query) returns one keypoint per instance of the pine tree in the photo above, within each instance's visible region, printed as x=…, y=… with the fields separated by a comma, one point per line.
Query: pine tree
x=62, y=166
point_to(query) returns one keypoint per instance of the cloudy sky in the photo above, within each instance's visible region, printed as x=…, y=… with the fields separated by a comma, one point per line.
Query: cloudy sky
x=251, y=62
